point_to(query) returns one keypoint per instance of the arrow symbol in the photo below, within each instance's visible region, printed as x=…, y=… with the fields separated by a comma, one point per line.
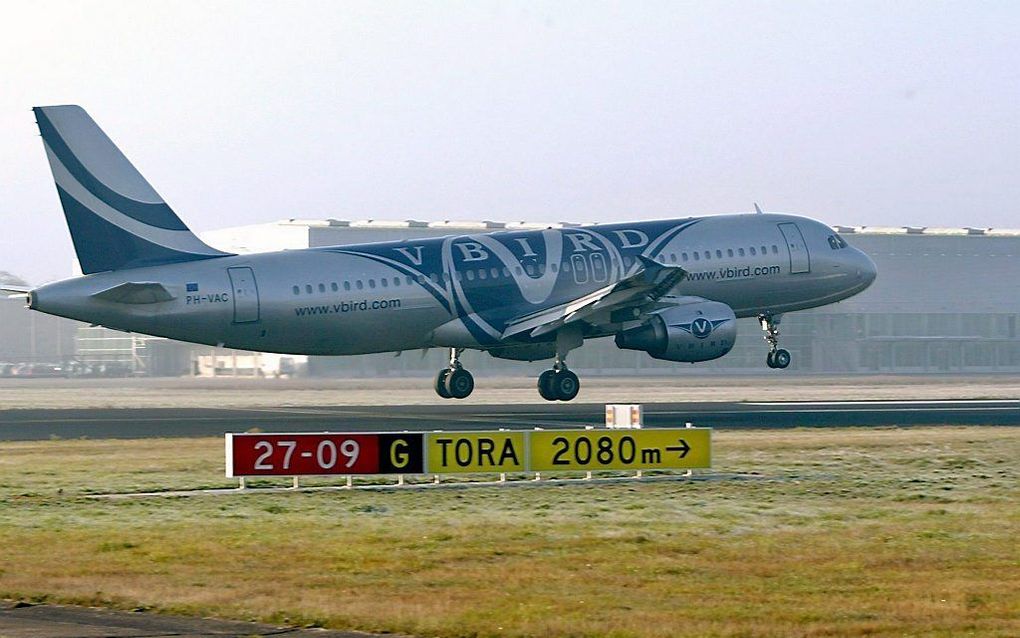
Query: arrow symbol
x=683, y=448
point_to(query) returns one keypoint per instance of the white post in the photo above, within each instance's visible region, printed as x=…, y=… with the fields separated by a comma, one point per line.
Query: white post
x=350, y=481
x=297, y=484
x=400, y=479
x=240, y=483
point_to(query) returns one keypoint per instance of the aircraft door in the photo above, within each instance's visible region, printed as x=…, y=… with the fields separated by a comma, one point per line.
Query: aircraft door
x=800, y=259
x=245, y=293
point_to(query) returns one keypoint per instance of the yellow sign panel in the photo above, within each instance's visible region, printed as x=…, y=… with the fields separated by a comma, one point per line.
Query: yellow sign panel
x=452, y=452
x=673, y=449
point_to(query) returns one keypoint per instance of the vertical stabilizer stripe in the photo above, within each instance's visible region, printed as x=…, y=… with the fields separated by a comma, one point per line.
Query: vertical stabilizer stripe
x=155, y=214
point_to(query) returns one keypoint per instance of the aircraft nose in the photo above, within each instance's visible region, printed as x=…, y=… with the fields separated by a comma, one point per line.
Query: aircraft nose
x=865, y=268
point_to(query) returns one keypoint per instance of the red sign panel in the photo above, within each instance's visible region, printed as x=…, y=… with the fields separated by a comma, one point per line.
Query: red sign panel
x=323, y=454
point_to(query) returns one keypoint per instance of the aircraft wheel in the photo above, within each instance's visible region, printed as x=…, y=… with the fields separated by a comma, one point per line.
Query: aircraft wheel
x=459, y=383
x=440, y=384
x=781, y=359
x=545, y=385
x=770, y=359
x=566, y=385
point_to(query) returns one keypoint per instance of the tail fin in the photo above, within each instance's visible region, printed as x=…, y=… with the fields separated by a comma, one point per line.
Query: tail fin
x=115, y=217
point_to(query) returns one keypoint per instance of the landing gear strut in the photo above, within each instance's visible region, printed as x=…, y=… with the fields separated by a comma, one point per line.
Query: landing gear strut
x=777, y=357
x=454, y=382
x=559, y=383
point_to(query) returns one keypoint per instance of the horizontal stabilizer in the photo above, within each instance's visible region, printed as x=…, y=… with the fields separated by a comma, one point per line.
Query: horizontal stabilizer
x=142, y=292
x=15, y=291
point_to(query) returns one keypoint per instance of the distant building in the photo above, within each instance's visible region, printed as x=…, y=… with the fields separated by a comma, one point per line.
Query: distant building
x=946, y=301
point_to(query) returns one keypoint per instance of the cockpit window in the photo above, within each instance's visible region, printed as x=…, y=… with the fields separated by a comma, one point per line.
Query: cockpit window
x=836, y=242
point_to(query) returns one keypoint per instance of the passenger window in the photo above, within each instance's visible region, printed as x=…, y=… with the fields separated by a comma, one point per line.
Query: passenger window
x=482, y=274
x=541, y=269
x=684, y=256
x=708, y=254
x=384, y=282
x=297, y=290
x=495, y=273
x=517, y=269
x=434, y=277
x=347, y=285
x=718, y=254
x=764, y=250
x=740, y=251
x=396, y=281
x=408, y=280
x=753, y=252
x=334, y=287
x=359, y=285
x=566, y=267
x=371, y=283
x=471, y=275
x=446, y=276
x=308, y=288
x=530, y=268
x=729, y=252
x=506, y=271
x=775, y=249
x=697, y=256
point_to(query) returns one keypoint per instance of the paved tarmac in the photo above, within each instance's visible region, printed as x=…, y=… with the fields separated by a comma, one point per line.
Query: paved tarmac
x=60, y=621
x=24, y=425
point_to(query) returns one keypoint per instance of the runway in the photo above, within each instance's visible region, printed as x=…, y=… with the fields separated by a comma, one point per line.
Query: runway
x=27, y=425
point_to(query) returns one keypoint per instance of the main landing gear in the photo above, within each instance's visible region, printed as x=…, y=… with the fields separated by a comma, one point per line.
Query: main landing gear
x=777, y=358
x=454, y=382
x=559, y=383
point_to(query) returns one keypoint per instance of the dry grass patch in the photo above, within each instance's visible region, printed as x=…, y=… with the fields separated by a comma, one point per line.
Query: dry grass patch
x=847, y=532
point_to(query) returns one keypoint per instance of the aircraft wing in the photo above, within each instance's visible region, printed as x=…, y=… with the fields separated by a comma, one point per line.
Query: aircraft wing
x=647, y=285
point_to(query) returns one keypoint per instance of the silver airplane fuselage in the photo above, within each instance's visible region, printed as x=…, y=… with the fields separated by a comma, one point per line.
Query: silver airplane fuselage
x=461, y=291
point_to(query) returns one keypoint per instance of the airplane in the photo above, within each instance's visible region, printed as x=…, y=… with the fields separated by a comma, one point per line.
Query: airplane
x=672, y=288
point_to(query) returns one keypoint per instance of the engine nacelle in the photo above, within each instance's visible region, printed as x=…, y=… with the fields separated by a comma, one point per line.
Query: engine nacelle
x=698, y=331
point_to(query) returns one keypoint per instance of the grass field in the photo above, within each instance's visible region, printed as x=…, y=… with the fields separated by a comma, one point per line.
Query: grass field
x=848, y=532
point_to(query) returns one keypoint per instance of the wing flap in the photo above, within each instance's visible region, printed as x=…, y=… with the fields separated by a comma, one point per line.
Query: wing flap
x=648, y=284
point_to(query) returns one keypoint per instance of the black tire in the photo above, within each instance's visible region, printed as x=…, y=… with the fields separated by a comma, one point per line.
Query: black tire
x=459, y=383
x=545, y=385
x=770, y=360
x=566, y=385
x=781, y=359
x=440, y=384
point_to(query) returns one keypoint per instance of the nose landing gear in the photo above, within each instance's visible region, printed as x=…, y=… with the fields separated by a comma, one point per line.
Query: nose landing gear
x=454, y=382
x=777, y=357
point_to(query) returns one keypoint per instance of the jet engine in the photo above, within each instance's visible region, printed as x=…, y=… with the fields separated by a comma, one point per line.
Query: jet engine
x=696, y=331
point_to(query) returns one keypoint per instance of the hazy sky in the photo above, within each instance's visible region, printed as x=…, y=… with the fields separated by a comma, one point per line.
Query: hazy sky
x=884, y=113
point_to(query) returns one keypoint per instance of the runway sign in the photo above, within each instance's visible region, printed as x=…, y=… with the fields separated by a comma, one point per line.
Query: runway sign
x=455, y=452
x=252, y=454
x=323, y=454
x=673, y=449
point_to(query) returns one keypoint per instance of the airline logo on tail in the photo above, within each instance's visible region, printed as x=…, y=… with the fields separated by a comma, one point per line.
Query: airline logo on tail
x=117, y=220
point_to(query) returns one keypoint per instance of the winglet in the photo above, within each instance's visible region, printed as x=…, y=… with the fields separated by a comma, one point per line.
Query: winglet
x=757, y=209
